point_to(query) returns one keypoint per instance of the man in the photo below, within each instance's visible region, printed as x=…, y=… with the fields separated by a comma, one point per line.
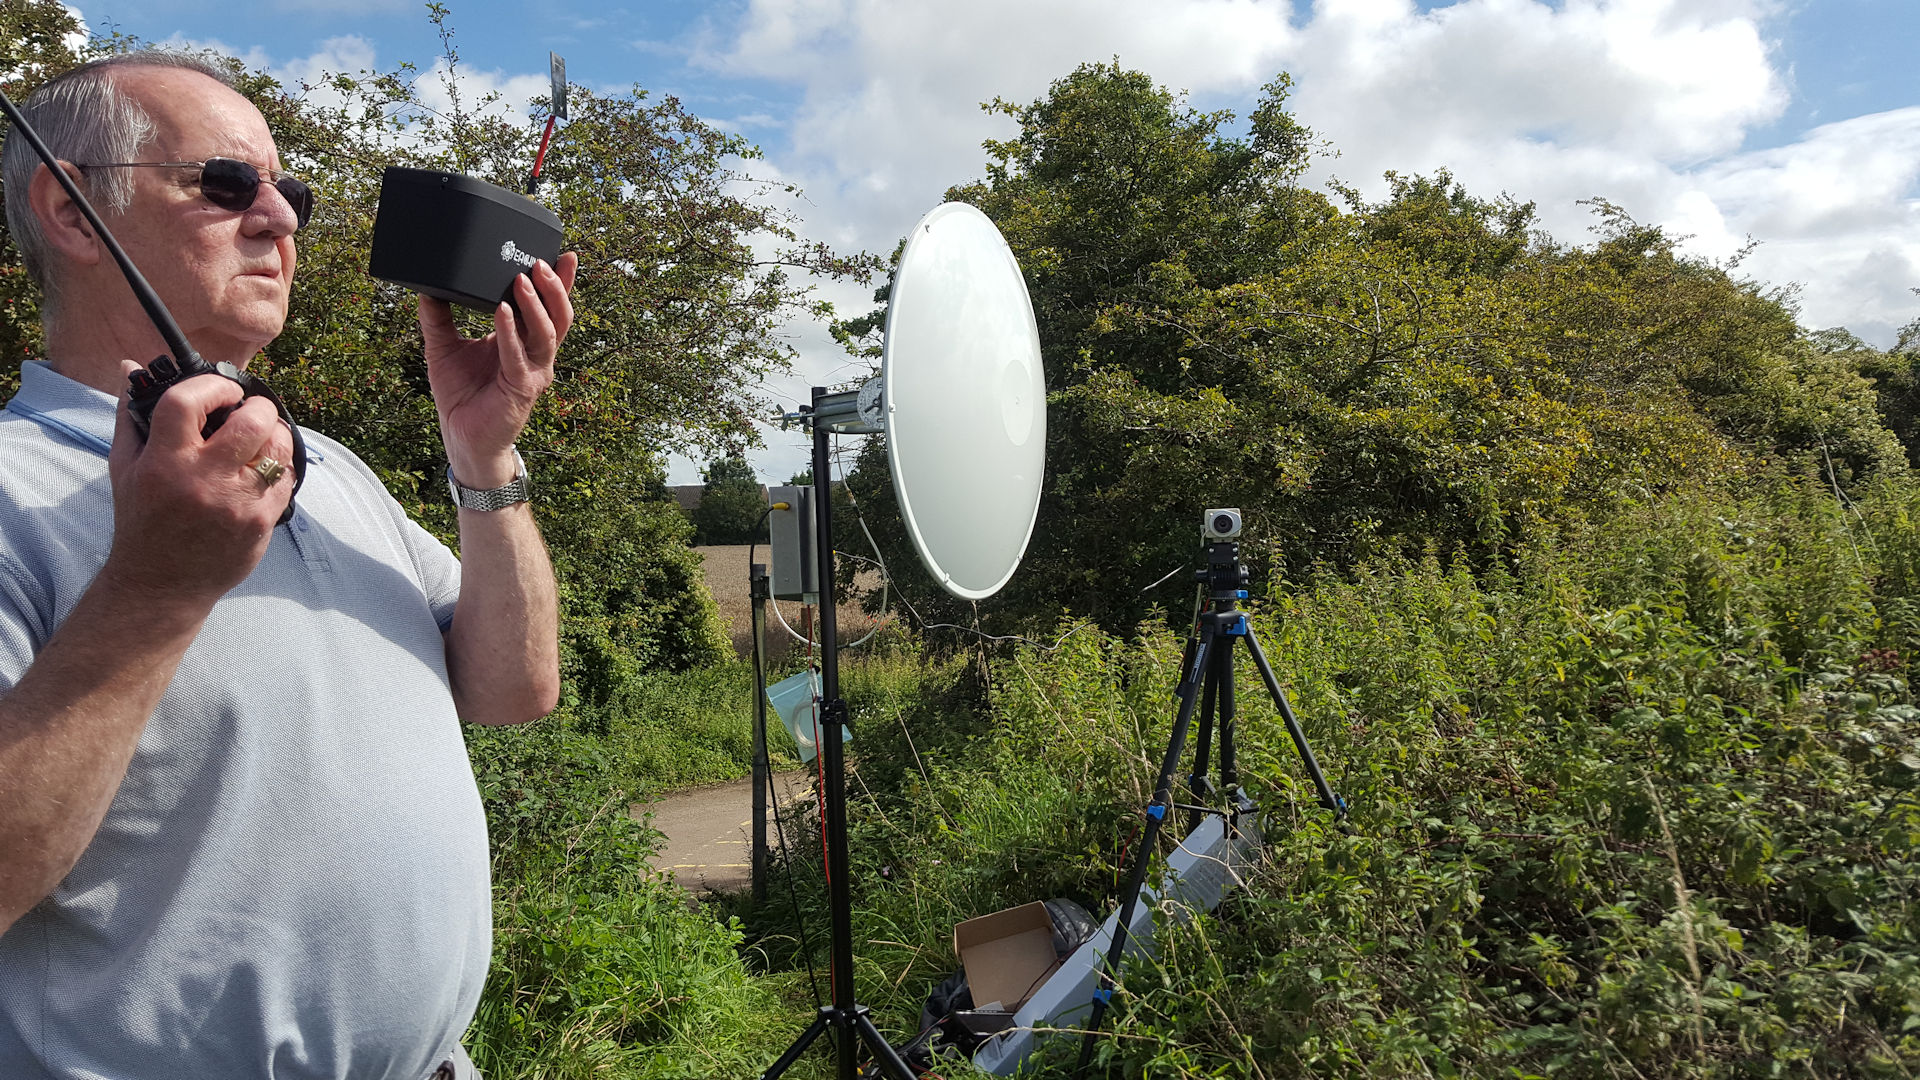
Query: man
x=239, y=834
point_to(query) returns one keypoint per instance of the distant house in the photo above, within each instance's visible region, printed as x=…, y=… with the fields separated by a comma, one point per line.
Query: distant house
x=687, y=496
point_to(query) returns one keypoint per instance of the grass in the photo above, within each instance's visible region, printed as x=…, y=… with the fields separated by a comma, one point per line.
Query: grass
x=1645, y=802
x=600, y=967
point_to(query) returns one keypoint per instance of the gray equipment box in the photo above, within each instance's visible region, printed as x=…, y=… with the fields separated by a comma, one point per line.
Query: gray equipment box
x=790, y=534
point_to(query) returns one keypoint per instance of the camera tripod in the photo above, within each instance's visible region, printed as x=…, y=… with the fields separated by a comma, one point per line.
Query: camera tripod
x=1207, y=680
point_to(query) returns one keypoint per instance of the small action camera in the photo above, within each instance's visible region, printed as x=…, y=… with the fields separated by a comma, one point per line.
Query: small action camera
x=1220, y=524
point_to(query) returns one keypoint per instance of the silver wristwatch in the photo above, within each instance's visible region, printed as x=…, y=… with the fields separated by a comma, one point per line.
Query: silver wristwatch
x=499, y=498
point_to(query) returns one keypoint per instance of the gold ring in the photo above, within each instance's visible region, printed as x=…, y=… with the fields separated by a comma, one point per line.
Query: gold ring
x=269, y=470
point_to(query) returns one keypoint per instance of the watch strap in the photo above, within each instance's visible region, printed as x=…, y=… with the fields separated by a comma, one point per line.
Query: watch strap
x=517, y=491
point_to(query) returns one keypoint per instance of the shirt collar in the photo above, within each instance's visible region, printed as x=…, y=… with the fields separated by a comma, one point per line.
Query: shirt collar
x=60, y=404
x=75, y=409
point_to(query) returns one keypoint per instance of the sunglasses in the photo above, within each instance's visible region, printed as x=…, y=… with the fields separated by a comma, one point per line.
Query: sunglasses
x=230, y=184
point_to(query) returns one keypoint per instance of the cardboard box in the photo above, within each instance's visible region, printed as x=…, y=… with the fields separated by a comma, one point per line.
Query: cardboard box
x=1008, y=955
x=1207, y=865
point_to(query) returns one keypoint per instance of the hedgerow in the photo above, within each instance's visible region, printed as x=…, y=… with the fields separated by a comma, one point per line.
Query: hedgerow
x=1640, y=802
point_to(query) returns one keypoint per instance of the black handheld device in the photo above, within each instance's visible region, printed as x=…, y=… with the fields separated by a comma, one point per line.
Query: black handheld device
x=456, y=238
x=146, y=387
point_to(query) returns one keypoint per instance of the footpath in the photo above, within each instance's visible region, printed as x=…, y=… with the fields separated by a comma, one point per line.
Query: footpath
x=709, y=831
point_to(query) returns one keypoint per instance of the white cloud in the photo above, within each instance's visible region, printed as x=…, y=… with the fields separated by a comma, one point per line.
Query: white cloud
x=1645, y=102
x=1838, y=179
x=348, y=54
x=1649, y=103
x=490, y=92
x=888, y=116
x=78, y=39
x=1838, y=213
x=509, y=93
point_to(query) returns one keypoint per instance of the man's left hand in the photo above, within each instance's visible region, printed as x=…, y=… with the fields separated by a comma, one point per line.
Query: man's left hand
x=485, y=388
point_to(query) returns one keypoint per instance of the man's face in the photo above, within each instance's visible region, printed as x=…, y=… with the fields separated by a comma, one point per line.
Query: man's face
x=224, y=274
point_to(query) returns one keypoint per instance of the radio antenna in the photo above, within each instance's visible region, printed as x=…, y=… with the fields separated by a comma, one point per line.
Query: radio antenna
x=556, y=110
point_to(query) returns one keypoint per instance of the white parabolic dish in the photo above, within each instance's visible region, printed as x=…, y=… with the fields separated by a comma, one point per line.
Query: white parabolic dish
x=965, y=400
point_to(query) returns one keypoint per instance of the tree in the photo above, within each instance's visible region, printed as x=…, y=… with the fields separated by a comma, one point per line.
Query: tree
x=685, y=274
x=1895, y=375
x=732, y=509
x=38, y=39
x=1424, y=371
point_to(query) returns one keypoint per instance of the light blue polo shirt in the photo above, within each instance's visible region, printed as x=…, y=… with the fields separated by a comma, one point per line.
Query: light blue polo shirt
x=292, y=881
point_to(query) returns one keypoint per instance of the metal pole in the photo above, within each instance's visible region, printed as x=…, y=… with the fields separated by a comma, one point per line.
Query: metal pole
x=848, y=1019
x=758, y=587
x=1199, y=788
x=832, y=715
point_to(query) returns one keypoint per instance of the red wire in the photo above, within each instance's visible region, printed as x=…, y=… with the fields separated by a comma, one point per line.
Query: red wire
x=820, y=769
x=545, y=137
x=1124, y=848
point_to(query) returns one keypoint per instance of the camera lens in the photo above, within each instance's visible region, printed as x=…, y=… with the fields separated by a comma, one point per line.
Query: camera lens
x=1222, y=524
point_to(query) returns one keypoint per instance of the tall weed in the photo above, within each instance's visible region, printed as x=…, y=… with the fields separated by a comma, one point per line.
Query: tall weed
x=1639, y=803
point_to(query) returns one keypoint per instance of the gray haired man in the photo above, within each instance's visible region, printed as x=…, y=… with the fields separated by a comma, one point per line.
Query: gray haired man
x=239, y=835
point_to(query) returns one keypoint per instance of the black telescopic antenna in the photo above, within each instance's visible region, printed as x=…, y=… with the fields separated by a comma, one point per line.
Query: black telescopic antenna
x=150, y=300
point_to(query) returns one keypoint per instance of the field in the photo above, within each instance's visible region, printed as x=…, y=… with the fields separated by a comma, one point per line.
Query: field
x=726, y=569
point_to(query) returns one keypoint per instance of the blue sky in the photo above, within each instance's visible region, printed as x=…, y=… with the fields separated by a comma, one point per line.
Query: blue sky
x=1793, y=122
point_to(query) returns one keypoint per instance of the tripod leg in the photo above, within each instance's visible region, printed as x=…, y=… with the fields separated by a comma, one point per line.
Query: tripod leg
x=890, y=1062
x=1188, y=693
x=799, y=1045
x=1198, y=787
x=846, y=1047
x=1237, y=801
x=1327, y=798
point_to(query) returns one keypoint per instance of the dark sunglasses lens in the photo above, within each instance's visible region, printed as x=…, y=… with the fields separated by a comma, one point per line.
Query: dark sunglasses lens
x=232, y=185
x=299, y=196
x=229, y=184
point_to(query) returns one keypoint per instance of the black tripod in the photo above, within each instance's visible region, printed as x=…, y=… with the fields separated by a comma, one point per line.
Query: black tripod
x=1207, y=679
x=849, y=1020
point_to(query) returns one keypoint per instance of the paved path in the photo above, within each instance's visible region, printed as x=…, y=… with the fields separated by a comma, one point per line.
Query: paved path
x=709, y=830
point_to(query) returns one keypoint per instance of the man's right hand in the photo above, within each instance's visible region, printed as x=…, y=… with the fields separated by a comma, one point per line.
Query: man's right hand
x=192, y=517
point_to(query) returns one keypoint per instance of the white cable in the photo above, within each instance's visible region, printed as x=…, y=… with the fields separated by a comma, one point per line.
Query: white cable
x=795, y=634
x=886, y=579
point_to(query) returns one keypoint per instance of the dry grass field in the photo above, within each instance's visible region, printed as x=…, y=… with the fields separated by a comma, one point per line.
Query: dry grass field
x=726, y=568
